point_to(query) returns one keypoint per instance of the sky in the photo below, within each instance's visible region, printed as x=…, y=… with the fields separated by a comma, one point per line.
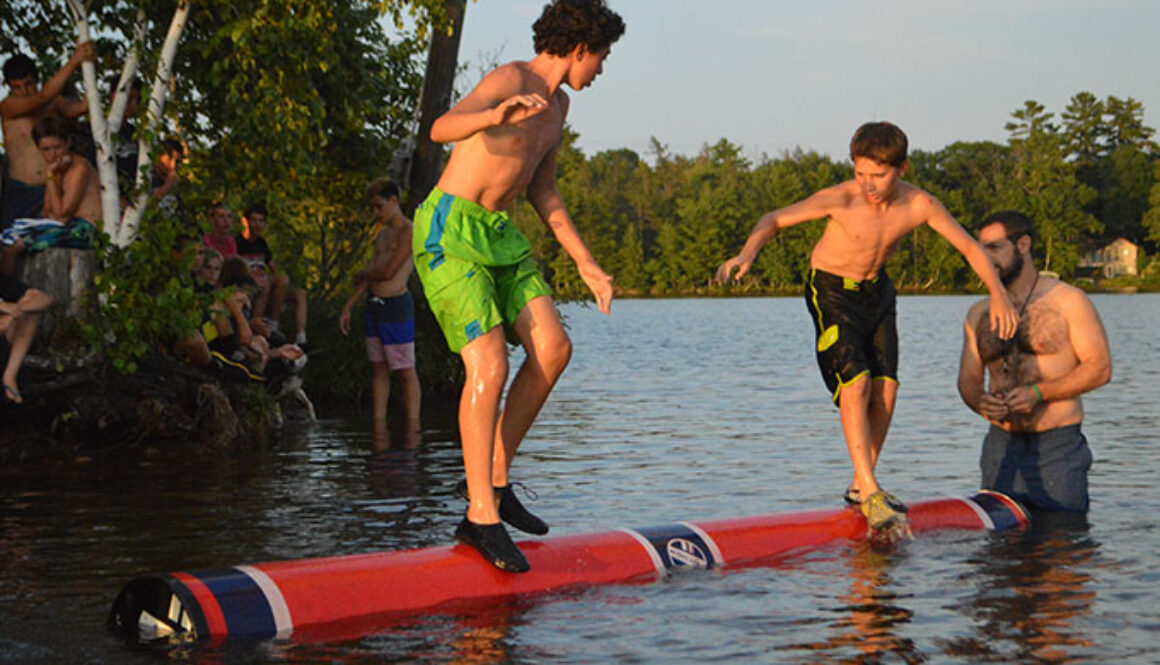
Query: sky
x=775, y=75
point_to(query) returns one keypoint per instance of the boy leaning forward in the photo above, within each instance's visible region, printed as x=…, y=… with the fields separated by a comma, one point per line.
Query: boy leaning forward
x=852, y=300
x=476, y=266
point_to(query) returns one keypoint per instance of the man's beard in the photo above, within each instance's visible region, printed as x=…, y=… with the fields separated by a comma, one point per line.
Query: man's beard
x=1010, y=272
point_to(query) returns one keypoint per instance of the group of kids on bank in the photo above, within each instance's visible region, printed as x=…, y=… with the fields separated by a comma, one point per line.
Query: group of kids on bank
x=1030, y=349
x=51, y=195
x=51, y=190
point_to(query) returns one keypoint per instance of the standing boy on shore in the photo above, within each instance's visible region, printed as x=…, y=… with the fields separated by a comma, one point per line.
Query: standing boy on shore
x=390, y=311
x=852, y=299
x=476, y=267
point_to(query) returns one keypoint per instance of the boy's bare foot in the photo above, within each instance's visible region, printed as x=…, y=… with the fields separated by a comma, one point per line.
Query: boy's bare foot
x=11, y=394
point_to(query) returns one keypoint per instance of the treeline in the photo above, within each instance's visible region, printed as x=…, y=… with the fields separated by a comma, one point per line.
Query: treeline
x=662, y=223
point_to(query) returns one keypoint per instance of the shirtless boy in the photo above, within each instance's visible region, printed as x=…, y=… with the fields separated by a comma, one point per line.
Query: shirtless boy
x=476, y=267
x=1034, y=450
x=72, y=198
x=390, y=311
x=27, y=103
x=852, y=300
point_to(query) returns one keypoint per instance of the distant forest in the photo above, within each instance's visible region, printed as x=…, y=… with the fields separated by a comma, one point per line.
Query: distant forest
x=662, y=224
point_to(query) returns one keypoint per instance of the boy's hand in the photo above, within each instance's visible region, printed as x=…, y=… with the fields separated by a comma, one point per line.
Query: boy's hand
x=60, y=166
x=85, y=52
x=239, y=299
x=1004, y=318
x=738, y=263
x=344, y=321
x=599, y=283
x=261, y=326
x=518, y=108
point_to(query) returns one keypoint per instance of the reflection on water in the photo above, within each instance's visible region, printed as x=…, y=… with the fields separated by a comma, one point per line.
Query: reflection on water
x=1031, y=588
x=873, y=616
x=670, y=411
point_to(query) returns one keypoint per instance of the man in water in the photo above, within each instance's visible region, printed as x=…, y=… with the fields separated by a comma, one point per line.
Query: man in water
x=476, y=266
x=1034, y=450
x=852, y=300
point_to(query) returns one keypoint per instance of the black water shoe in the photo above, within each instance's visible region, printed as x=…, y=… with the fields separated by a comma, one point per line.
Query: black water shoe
x=510, y=509
x=514, y=513
x=493, y=542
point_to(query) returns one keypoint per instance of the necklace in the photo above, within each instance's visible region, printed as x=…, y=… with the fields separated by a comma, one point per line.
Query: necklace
x=1007, y=345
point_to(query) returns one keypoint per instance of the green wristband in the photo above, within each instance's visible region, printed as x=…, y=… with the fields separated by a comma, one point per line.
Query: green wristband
x=1037, y=392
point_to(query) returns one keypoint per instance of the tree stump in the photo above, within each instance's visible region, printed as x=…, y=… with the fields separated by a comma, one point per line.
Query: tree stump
x=62, y=273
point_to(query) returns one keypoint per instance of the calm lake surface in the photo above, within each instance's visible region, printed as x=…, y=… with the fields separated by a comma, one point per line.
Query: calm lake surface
x=671, y=410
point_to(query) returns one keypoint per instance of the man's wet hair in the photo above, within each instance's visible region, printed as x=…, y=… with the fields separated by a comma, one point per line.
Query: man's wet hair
x=384, y=187
x=1015, y=224
x=20, y=67
x=564, y=24
x=881, y=141
x=256, y=207
x=51, y=126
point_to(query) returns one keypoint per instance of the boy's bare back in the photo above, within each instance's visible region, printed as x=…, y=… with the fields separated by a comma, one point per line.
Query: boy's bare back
x=495, y=165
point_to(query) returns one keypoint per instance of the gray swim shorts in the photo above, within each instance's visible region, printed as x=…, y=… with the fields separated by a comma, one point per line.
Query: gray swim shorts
x=1044, y=470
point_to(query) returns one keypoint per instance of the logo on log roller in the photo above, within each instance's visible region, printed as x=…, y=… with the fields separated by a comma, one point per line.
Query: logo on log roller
x=686, y=553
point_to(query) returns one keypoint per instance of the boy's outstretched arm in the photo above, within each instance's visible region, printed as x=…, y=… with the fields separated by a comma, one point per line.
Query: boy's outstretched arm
x=545, y=198
x=814, y=207
x=495, y=101
x=14, y=107
x=1004, y=319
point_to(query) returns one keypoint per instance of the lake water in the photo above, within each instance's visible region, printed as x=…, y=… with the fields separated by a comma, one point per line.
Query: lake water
x=671, y=410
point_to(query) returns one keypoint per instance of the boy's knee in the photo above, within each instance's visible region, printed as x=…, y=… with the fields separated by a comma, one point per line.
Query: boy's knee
x=555, y=354
x=488, y=376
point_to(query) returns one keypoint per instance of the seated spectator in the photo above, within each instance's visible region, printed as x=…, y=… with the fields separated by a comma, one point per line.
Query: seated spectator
x=20, y=308
x=254, y=248
x=220, y=236
x=193, y=348
x=238, y=339
x=209, y=273
x=72, y=199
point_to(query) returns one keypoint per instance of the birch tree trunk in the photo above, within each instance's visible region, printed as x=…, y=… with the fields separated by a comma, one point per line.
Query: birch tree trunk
x=106, y=166
x=123, y=227
x=158, y=91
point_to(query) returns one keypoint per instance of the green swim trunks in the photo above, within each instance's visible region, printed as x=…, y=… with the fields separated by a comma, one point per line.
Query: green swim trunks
x=475, y=265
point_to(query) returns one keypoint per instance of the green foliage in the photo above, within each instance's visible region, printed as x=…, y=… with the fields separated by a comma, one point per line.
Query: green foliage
x=143, y=298
x=1151, y=222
